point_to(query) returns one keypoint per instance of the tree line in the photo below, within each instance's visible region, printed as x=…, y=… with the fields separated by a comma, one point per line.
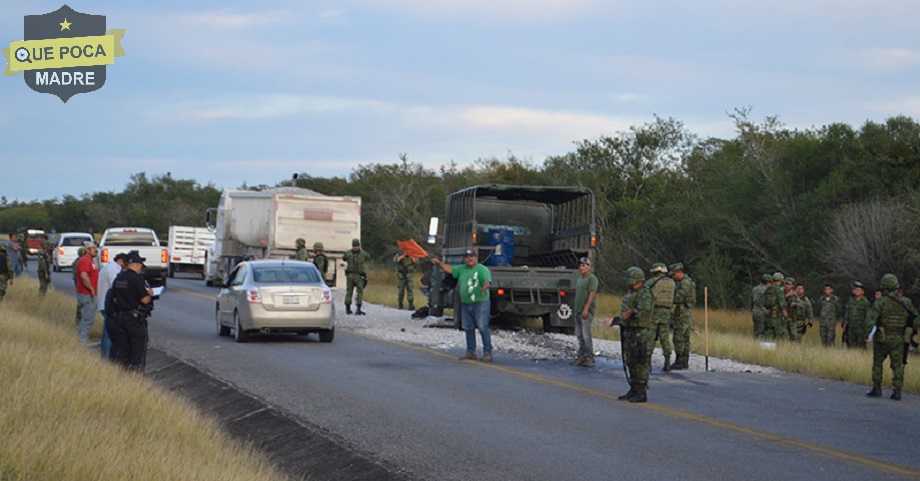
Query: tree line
x=826, y=204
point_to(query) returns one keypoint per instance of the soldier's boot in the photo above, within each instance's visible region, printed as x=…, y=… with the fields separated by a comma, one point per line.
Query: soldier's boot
x=412, y=306
x=400, y=305
x=896, y=395
x=631, y=393
x=347, y=308
x=667, y=363
x=876, y=391
x=679, y=364
x=358, y=311
x=640, y=396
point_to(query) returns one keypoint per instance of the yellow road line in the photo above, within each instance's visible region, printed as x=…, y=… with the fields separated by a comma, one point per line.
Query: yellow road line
x=193, y=293
x=729, y=426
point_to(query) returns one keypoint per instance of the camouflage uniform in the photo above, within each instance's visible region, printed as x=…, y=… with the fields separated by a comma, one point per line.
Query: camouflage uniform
x=405, y=278
x=24, y=252
x=684, y=299
x=302, y=254
x=895, y=317
x=355, y=275
x=758, y=311
x=829, y=310
x=44, y=268
x=854, y=320
x=661, y=319
x=791, y=303
x=637, y=336
x=6, y=273
x=320, y=260
x=773, y=299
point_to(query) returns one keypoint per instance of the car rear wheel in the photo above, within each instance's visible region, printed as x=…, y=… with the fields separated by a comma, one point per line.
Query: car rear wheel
x=327, y=336
x=222, y=330
x=238, y=334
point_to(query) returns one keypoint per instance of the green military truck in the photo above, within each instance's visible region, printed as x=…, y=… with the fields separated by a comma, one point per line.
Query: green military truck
x=530, y=238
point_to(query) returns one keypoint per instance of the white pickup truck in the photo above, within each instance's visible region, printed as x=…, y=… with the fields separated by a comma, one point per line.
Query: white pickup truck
x=188, y=248
x=117, y=240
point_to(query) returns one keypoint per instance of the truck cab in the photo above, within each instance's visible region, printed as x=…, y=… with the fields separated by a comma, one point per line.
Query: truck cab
x=530, y=238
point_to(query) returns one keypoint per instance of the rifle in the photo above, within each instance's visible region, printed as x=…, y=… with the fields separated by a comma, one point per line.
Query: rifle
x=846, y=335
x=618, y=321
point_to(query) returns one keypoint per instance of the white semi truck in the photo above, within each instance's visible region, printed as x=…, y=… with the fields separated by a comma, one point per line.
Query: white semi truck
x=266, y=225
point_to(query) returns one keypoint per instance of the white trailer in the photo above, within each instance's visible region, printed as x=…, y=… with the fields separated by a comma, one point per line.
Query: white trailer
x=266, y=225
x=188, y=247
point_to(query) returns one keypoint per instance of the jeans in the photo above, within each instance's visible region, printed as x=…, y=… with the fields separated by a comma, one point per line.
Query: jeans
x=105, y=345
x=476, y=316
x=583, y=334
x=87, y=314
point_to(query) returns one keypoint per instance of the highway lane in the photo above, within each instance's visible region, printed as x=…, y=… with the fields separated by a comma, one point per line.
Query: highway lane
x=439, y=418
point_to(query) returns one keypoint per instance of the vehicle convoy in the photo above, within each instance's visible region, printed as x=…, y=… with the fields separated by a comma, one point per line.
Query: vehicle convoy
x=188, y=247
x=66, y=247
x=117, y=240
x=530, y=238
x=266, y=225
x=275, y=296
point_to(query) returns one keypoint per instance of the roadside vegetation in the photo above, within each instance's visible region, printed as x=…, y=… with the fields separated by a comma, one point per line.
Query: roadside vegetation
x=730, y=337
x=66, y=414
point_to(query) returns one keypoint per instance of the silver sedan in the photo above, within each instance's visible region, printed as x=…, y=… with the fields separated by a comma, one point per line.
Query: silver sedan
x=269, y=296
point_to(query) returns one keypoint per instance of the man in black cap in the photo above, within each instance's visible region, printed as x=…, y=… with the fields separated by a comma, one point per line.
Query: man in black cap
x=854, y=321
x=133, y=302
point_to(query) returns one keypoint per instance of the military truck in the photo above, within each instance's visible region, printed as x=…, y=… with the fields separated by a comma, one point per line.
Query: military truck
x=530, y=238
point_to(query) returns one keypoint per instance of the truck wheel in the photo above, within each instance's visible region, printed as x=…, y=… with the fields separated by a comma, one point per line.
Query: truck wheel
x=208, y=282
x=171, y=270
x=458, y=310
x=547, y=324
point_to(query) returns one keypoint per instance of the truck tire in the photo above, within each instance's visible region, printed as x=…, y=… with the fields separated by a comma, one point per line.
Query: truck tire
x=458, y=310
x=171, y=270
x=547, y=323
x=208, y=282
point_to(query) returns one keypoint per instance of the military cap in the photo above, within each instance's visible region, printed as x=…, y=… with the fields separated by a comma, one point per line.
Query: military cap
x=634, y=274
x=301, y=241
x=355, y=242
x=676, y=267
x=766, y=278
x=790, y=280
x=659, y=267
x=889, y=281
x=855, y=284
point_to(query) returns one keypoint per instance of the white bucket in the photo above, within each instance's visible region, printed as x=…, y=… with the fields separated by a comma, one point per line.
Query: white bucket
x=768, y=345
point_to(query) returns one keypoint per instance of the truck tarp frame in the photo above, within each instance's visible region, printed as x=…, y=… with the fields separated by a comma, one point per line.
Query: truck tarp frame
x=543, y=194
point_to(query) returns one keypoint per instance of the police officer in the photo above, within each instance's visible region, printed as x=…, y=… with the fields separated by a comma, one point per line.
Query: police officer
x=44, y=268
x=405, y=280
x=320, y=260
x=684, y=299
x=854, y=319
x=894, y=318
x=132, y=302
x=355, y=276
x=662, y=288
x=758, y=310
x=638, y=339
x=301, y=254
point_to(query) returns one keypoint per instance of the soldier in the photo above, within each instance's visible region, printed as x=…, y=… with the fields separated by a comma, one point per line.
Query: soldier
x=638, y=339
x=6, y=272
x=684, y=299
x=854, y=319
x=758, y=310
x=320, y=260
x=893, y=318
x=44, y=268
x=805, y=314
x=302, y=254
x=662, y=288
x=355, y=276
x=830, y=310
x=405, y=278
x=773, y=306
x=791, y=304
x=23, y=250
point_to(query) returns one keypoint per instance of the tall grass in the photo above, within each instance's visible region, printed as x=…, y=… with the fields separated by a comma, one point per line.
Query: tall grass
x=730, y=337
x=66, y=414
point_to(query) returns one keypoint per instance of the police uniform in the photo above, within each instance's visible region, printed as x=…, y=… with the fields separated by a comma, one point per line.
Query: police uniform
x=129, y=338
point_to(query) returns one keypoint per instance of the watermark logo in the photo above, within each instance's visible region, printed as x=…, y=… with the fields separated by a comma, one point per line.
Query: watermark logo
x=64, y=52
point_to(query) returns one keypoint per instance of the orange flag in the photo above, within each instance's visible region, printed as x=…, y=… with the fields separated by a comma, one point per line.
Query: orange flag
x=412, y=249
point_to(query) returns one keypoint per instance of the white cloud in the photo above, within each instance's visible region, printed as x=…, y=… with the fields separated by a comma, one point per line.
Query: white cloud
x=227, y=20
x=259, y=107
x=493, y=9
x=909, y=105
x=332, y=13
x=888, y=58
x=558, y=125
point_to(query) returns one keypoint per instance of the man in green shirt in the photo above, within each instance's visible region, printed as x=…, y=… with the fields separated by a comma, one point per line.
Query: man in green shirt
x=585, y=293
x=473, y=281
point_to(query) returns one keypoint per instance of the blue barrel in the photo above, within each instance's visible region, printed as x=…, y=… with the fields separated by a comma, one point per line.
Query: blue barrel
x=503, y=241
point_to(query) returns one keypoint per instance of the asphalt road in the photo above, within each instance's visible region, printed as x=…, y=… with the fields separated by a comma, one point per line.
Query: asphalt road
x=438, y=418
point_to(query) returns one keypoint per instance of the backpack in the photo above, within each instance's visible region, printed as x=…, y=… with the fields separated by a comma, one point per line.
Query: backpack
x=663, y=290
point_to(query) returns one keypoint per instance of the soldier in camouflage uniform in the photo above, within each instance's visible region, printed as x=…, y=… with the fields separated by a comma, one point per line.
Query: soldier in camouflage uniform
x=6, y=272
x=24, y=250
x=405, y=280
x=854, y=318
x=661, y=315
x=830, y=309
x=320, y=260
x=804, y=314
x=684, y=299
x=895, y=319
x=44, y=268
x=638, y=339
x=302, y=254
x=773, y=299
x=355, y=276
x=758, y=311
x=791, y=303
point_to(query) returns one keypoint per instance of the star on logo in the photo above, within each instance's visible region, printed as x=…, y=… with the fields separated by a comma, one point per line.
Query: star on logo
x=65, y=25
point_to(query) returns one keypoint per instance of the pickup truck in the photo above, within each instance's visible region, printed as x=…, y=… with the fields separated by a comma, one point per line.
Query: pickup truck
x=123, y=239
x=188, y=247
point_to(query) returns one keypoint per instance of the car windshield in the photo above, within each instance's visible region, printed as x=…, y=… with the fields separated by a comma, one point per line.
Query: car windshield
x=74, y=241
x=126, y=238
x=288, y=274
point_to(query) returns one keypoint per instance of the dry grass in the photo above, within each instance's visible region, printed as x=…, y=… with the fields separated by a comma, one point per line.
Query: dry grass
x=69, y=415
x=730, y=337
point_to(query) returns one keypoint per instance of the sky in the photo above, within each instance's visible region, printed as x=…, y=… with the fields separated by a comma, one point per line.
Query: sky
x=241, y=92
